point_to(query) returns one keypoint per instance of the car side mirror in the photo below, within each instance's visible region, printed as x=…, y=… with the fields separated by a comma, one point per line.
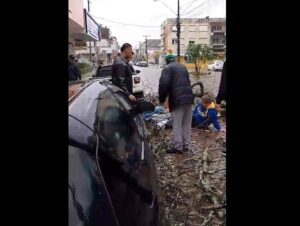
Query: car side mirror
x=137, y=71
x=143, y=107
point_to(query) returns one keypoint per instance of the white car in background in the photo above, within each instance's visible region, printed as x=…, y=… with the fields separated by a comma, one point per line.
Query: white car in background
x=138, y=86
x=216, y=66
x=137, y=83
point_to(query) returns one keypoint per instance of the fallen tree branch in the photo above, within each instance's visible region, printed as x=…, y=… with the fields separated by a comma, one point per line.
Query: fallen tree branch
x=214, y=207
x=207, y=220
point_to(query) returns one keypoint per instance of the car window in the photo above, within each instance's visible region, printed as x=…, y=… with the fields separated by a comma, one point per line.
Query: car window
x=104, y=72
x=118, y=130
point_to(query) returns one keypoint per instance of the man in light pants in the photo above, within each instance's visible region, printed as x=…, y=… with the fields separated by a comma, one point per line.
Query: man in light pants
x=175, y=84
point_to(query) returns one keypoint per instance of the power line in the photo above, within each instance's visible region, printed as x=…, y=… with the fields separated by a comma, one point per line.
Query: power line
x=125, y=24
x=168, y=7
x=196, y=7
x=192, y=2
x=183, y=5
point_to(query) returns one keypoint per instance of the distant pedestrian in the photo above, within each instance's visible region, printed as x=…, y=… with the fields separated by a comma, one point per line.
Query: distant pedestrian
x=175, y=84
x=122, y=71
x=100, y=63
x=74, y=72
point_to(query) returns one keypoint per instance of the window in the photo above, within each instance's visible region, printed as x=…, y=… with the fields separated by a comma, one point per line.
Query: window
x=174, y=28
x=191, y=42
x=192, y=28
x=203, y=28
x=117, y=127
x=174, y=41
x=126, y=173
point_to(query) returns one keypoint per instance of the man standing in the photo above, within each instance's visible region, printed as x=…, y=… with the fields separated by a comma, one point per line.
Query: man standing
x=74, y=72
x=122, y=72
x=175, y=83
x=222, y=88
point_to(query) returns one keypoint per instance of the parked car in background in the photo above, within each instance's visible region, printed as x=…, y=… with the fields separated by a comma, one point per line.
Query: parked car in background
x=138, y=86
x=216, y=66
x=143, y=64
x=112, y=177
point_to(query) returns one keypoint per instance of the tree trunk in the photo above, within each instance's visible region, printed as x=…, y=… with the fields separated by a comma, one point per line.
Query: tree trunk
x=196, y=66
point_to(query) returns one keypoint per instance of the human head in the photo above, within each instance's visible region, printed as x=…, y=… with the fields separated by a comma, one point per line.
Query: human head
x=126, y=50
x=72, y=58
x=206, y=100
x=129, y=58
x=170, y=58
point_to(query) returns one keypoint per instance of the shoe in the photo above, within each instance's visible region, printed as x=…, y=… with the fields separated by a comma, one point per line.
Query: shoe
x=186, y=149
x=174, y=151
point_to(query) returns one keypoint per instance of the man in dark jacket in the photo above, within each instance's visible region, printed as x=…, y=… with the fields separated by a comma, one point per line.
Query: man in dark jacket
x=175, y=83
x=74, y=72
x=122, y=72
x=222, y=88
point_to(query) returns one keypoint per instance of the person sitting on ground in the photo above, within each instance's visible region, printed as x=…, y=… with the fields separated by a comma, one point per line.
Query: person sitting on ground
x=205, y=114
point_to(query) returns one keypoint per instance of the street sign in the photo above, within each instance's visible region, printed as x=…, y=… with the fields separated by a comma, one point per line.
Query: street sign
x=91, y=26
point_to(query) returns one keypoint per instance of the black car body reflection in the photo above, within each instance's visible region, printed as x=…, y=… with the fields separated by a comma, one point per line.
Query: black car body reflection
x=112, y=179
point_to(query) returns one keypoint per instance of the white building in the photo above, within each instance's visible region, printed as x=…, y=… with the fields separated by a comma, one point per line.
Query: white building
x=204, y=31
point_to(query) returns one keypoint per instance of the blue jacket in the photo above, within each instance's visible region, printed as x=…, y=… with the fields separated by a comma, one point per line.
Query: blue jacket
x=205, y=117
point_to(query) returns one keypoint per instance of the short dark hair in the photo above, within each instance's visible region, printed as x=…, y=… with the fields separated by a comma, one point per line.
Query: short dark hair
x=125, y=46
x=72, y=57
x=207, y=98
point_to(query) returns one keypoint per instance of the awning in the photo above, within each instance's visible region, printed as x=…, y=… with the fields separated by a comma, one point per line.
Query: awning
x=83, y=37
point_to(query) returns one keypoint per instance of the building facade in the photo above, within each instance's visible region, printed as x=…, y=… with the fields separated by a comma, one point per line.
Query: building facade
x=104, y=50
x=82, y=26
x=204, y=31
x=153, y=50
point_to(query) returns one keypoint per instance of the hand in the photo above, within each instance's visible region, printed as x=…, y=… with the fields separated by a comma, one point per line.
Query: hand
x=218, y=108
x=166, y=105
x=132, y=98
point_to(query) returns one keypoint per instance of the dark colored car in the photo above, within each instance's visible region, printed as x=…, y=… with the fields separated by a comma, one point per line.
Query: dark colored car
x=112, y=178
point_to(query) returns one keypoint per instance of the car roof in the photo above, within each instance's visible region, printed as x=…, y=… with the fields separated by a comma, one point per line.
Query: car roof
x=84, y=106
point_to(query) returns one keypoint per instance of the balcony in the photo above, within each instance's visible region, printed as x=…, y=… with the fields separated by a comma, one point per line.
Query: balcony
x=218, y=46
x=219, y=32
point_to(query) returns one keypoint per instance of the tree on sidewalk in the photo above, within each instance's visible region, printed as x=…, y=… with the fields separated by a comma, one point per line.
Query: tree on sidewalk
x=200, y=55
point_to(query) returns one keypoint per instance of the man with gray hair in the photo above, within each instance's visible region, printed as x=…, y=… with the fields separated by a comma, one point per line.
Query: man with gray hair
x=175, y=84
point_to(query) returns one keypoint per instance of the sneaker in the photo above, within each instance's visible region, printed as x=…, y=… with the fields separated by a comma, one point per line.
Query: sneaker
x=174, y=151
x=186, y=149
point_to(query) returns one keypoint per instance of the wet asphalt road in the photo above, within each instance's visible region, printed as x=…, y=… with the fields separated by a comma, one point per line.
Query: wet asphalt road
x=150, y=76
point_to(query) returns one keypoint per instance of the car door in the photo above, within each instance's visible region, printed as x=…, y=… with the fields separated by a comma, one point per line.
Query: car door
x=126, y=162
x=89, y=201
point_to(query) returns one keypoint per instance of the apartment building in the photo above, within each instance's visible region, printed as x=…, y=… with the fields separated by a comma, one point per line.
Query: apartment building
x=204, y=31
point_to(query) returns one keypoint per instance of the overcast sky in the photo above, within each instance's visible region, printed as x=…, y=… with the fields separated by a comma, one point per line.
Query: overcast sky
x=148, y=13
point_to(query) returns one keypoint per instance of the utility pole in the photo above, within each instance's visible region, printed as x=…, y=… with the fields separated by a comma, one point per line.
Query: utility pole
x=146, y=46
x=140, y=53
x=178, y=33
x=90, y=43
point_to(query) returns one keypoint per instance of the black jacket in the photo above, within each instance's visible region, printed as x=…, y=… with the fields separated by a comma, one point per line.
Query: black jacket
x=122, y=75
x=222, y=88
x=175, y=83
x=74, y=73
